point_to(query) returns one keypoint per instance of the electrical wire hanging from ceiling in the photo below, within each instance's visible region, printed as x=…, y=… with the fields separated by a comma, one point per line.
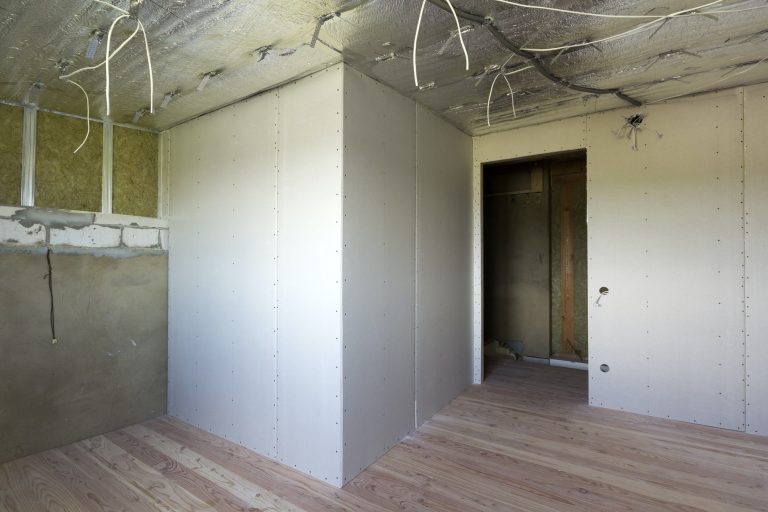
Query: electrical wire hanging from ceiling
x=110, y=55
x=531, y=54
x=418, y=30
x=625, y=33
x=87, y=113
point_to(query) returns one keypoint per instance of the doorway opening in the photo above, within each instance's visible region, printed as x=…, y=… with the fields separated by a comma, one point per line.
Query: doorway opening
x=535, y=260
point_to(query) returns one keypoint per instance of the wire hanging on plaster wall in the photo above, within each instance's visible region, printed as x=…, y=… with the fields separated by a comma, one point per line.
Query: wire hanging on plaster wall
x=632, y=125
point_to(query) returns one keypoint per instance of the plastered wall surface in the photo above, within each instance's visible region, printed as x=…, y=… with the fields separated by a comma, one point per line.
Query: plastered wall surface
x=108, y=366
x=11, y=130
x=64, y=179
x=756, y=246
x=666, y=235
x=134, y=172
x=255, y=271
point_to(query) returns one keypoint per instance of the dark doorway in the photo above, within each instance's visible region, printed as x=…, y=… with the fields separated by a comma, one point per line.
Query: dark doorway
x=535, y=258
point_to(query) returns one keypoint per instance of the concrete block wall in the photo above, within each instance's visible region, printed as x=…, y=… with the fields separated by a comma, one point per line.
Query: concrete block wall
x=106, y=366
x=22, y=227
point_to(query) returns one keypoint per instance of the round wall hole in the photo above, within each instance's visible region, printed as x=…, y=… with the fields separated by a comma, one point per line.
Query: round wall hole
x=604, y=290
x=605, y=368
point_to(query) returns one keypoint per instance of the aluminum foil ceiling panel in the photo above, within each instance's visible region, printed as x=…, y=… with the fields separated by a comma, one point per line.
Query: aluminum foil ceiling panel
x=254, y=45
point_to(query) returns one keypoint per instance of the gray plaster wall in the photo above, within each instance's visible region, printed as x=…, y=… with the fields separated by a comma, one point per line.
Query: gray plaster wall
x=108, y=368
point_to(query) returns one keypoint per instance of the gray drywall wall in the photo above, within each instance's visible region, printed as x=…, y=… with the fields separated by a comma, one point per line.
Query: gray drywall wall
x=309, y=247
x=756, y=225
x=407, y=263
x=222, y=273
x=255, y=271
x=108, y=368
x=443, y=264
x=666, y=235
x=379, y=269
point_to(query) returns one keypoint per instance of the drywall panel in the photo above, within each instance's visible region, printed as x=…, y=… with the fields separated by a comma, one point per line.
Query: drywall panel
x=65, y=179
x=560, y=136
x=222, y=273
x=11, y=132
x=443, y=263
x=666, y=237
x=379, y=269
x=756, y=206
x=134, y=172
x=309, y=203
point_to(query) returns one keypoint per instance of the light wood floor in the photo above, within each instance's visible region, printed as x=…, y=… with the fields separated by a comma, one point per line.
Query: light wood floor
x=523, y=441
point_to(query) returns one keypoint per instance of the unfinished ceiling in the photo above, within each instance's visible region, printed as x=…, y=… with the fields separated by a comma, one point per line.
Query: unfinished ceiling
x=248, y=46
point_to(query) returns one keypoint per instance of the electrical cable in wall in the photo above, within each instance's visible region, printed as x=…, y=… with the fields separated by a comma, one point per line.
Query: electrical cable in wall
x=50, y=291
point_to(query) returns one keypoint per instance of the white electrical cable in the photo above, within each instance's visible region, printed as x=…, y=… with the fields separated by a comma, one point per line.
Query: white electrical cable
x=461, y=38
x=490, y=95
x=511, y=95
x=88, y=114
x=97, y=66
x=151, y=77
x=626, y=33
x=416, y=42
x=109, y=56
x=728, y=11
x=580, y=13
x=112, y=6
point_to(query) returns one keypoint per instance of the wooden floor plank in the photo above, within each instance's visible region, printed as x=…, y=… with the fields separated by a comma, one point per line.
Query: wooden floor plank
x=174, y=470
x=166, y=494
x=257, y=496
x=524, y=441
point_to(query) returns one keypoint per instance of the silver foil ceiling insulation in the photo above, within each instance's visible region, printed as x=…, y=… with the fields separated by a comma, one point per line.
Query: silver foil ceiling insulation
x=254, y=45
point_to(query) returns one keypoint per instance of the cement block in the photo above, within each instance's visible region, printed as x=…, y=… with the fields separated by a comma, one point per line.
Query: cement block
x=9, y=211
x=89, y=236
x=164, y=239
x=140, y=237
x=115, y=219
x=13, y=233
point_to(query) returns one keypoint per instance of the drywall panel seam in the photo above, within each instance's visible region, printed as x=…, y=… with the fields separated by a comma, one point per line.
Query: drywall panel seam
x=342, y=173
x=106, y=167
x=276, y=295
x=743, y=257
x=28, y=157
x=416, y=276
x=477, y=266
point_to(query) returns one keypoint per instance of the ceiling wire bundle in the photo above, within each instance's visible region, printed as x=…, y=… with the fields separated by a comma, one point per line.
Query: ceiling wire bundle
x=531, y=54
x=125, y=14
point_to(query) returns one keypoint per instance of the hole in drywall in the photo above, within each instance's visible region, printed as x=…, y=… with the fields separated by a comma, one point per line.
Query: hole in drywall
x=604, y=290
x=605, y=368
